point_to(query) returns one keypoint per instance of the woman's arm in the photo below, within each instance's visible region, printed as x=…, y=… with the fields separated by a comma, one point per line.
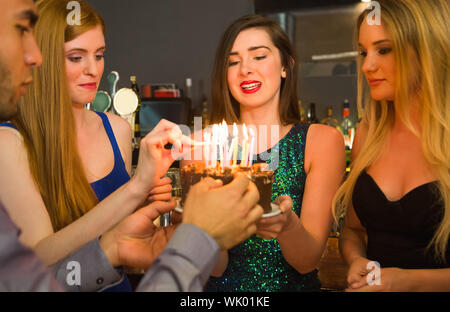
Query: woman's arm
x=353, y=239
x=19, y=193
x=22, y=198
x=405, y=280
x=303, y=239
x=303, y=244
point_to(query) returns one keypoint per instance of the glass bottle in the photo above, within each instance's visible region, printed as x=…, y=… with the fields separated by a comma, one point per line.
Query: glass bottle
x=137, y=125
x=330, y=120
x=311, y=116
x=205, y=113
x=302, y=112
x=347, y=126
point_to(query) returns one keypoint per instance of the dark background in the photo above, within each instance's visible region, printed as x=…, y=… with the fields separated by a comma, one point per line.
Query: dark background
x=163, y=41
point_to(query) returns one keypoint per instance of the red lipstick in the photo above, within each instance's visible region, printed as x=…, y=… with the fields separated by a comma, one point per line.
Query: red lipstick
x=250, y=86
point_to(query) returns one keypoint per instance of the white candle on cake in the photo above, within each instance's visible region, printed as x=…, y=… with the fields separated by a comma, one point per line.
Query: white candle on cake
x=207, y=137
x=244, y=155
x=252, y=146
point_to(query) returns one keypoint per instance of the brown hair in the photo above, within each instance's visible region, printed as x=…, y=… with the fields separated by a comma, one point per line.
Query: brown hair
x=46, y=120
x=224, y=106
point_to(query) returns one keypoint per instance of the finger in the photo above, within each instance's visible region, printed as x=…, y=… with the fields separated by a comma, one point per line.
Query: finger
x=254, y=215
x=250, y=198
x=251, y=230
x=161, y=197
x=164, y=125
x=162, y=138
x=356, y=285
x=155, y=209
x=284, y=202
x=163, y=181
x=355, y=281
x=167, y=188
x=239, y=184
x=207, y=183
x=180, y=146
x=269, y=221
x=265, y=234
x=158, y=139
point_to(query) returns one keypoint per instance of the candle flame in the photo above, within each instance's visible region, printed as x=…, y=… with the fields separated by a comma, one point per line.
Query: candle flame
x=215, y=136
x=207, y=137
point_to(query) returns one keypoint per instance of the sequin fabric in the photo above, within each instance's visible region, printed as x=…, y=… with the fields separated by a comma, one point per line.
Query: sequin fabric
x=257, y=264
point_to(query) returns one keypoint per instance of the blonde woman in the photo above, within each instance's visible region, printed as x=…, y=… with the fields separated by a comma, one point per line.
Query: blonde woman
x=65, y=160
x=397, y=196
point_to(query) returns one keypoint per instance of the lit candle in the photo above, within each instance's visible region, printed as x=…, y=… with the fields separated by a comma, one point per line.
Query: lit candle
x=234, y=145
x=215, y=141
x=223, y=141
x=226, y=162
x=207, y=137
x=220, y=142
x=252, y=146
x=244, y=155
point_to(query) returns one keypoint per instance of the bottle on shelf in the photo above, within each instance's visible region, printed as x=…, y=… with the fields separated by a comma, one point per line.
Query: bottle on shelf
x=330, y=120
x=347, y=126
x=205, y=113
x=137, y=125
x=311, y=116
x=302, y=112
x=359, y=119
x=188, y=95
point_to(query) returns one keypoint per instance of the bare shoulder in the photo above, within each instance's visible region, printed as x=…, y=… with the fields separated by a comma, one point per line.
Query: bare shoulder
x=324, y=145
x=11, y=142
x=13, y=153
x=324, y=136
x=120, y=126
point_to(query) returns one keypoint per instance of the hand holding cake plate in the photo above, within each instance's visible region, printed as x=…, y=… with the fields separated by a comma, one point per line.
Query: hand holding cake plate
x=275, y=209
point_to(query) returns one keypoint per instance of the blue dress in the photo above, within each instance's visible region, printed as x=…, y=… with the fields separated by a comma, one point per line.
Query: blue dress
x=257, y=264
x=107, y=185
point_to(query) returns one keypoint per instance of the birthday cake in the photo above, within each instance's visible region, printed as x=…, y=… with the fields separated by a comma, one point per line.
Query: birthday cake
x=192, y=174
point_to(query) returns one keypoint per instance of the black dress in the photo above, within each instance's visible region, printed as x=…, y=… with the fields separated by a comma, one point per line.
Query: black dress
x=399, y=231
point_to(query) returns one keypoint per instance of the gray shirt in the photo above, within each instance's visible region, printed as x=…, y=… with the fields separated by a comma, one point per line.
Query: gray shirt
x=184, y=265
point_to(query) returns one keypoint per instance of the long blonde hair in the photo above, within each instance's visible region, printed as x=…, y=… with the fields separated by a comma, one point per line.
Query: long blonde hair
x=424, y=28
x=46, y=119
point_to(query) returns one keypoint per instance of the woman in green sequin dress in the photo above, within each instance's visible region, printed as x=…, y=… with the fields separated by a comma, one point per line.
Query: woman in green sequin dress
x=255, y=82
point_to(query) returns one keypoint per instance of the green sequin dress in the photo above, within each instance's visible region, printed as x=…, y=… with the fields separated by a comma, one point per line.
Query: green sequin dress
x=257, y=264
